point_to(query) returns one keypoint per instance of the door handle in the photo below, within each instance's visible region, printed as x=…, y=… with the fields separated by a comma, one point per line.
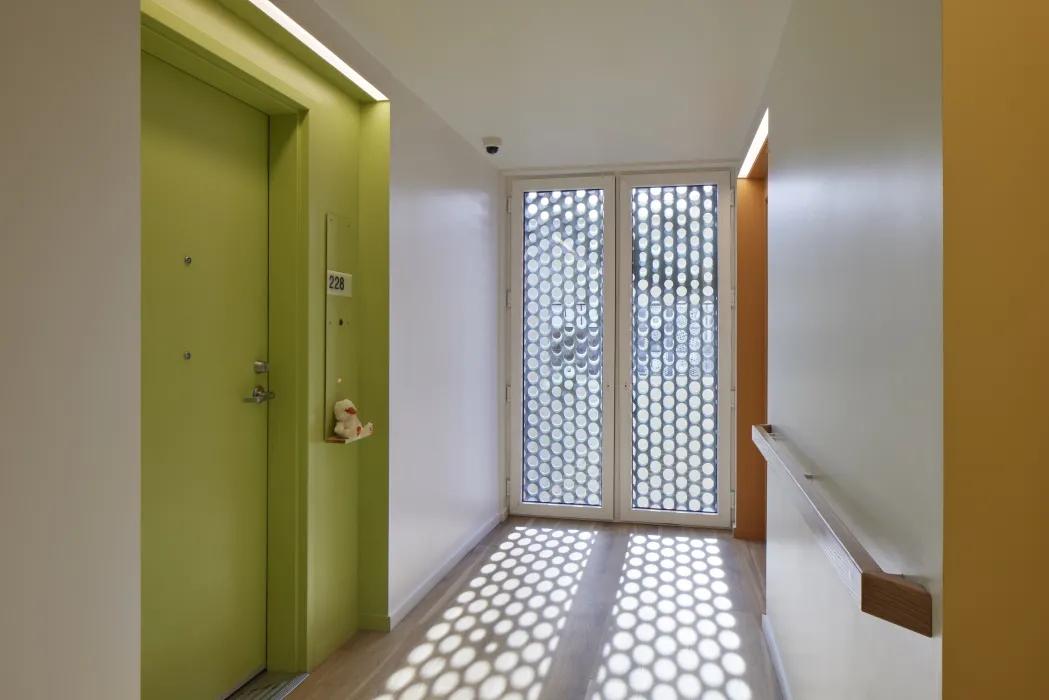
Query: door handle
x=259, y=394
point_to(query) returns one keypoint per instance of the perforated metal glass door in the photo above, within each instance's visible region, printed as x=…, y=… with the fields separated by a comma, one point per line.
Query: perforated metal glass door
x=563, y=307
x=675, y=349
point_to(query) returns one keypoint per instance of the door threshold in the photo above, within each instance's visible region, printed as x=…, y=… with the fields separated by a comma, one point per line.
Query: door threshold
x=268, y=686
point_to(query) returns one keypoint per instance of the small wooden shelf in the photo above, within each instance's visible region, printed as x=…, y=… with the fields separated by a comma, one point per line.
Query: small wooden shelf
x=891, y=597
x=335, y=439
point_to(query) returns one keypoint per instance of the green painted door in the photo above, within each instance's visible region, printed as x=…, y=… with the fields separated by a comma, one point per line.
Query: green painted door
x=204, y=323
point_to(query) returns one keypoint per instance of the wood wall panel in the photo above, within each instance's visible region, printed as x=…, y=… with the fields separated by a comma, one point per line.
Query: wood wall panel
x=751, y=353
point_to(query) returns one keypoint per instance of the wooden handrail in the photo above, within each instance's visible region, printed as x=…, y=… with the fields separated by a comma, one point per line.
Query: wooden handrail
x=891, y=597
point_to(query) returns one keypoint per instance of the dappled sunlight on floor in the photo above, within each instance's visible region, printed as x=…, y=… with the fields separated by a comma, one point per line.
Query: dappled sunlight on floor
x=496, y=639
x=574, y=610
x=671, y=633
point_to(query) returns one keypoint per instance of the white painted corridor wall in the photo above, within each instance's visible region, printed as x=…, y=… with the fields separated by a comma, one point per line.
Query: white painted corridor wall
x=855, y=345
x=444, y=338
x=69, y=350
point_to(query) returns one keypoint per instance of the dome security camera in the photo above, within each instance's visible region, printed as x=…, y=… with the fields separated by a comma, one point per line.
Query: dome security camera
x=492, y=144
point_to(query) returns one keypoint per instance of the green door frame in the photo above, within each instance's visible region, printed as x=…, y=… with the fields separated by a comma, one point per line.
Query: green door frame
x=176, y=41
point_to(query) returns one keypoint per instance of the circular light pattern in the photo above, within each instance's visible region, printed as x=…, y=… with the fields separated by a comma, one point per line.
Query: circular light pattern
x=563, y=347
x=675, y=349
x=688, y=650
x=510, y=657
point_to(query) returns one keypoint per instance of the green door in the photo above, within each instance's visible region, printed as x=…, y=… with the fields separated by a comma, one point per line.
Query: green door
x=204, y=324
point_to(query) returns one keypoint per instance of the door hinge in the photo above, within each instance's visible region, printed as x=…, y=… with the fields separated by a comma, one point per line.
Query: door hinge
x=508, y=489
x=507, y=393
x=507, y=299
x=733, y=508
x=509, y=206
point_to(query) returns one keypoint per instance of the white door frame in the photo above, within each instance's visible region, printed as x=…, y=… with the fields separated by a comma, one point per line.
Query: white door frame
x=618, y=400
x=516, y=346
x=624, y=369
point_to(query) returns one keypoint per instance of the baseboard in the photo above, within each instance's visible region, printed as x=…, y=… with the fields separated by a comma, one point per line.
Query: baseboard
x=504, y=515
x=379, y=623
x=449, y=563
x=777, y=660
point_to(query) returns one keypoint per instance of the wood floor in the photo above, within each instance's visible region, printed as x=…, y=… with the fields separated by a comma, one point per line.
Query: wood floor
x=566, y=610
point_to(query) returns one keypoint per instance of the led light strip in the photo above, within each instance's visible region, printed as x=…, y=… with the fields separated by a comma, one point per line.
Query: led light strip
x=296, y=30
x=755, y=147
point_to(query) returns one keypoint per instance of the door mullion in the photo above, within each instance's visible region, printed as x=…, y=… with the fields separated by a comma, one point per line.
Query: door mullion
x=624, y=359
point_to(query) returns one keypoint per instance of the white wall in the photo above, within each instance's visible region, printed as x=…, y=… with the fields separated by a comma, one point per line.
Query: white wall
x=69, y=350
x=855, y=329
x=444, y=329
x=444, y=340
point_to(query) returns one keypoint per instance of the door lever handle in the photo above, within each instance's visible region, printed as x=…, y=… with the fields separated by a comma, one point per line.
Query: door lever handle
x=259, y=394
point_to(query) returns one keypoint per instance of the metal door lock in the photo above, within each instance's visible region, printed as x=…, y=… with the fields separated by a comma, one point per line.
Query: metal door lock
x=261, y=367
x=259, y=395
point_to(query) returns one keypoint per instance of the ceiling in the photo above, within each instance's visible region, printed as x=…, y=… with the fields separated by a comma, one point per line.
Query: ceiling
x=581, y=82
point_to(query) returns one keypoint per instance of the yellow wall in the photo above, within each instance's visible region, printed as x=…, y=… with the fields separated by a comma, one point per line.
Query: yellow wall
x=996, y=348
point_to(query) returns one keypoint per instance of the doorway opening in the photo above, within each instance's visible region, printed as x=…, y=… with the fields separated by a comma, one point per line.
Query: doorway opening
x=621, y=384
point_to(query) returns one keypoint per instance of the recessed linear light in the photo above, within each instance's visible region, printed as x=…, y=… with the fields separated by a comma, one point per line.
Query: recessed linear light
x=755, y=146
x=296, y=30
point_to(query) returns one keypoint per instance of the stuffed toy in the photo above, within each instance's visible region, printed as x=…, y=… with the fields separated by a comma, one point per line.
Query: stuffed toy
x=348, y=423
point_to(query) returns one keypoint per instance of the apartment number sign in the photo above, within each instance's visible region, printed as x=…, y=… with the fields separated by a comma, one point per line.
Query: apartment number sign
x=339, y=284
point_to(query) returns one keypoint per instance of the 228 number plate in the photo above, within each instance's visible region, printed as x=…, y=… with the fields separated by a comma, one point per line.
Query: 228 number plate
x=339, y=284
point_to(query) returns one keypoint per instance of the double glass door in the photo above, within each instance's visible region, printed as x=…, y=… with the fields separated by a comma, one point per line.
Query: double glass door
x=621, y=380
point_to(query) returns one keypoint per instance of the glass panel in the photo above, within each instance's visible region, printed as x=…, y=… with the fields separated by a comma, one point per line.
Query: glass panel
x=675, y=352
x=563, y=347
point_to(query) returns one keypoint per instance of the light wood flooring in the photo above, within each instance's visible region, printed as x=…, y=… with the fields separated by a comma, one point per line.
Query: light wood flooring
x=566, y=610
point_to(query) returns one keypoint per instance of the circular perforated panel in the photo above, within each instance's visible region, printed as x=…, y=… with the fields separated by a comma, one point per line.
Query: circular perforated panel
x=675, y=342
x=563, y=347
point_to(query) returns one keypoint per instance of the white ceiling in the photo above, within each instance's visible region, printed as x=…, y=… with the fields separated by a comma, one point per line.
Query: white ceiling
x=581, y=82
